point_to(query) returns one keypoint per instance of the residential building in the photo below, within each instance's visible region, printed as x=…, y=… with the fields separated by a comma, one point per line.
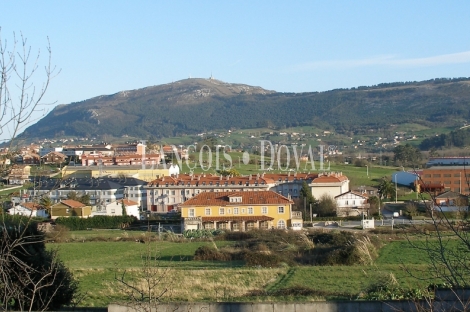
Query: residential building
x=115, y=209
x=28, y=210
x=368, y=190
x=166, y=193
x=146, y=173
x=290, y=183
x=53, y=158
x=70, y=208
x=351, y=204
x=331, y=184
x=19, y=174
x=239, y=211
x=121, y=160
x=101, y=191
x=450, y=201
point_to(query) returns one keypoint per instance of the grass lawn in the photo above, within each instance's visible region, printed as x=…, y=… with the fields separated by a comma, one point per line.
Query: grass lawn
x=95, y=264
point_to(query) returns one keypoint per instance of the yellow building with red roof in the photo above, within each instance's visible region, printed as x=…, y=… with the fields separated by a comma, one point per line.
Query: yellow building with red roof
x=239, y=211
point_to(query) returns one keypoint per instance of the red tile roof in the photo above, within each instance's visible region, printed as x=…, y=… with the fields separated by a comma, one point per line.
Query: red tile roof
x=31, y=206
x=248, y=198
x=206, y=180
x=72, y=203
x=330, y=178
x=128, y=202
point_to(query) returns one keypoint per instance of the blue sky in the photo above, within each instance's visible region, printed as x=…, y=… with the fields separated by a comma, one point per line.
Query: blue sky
x=103, y=47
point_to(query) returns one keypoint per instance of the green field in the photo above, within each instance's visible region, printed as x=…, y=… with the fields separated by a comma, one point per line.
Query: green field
x=96, y=263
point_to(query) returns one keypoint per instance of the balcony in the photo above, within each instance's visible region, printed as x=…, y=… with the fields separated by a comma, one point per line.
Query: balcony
x=296, y=214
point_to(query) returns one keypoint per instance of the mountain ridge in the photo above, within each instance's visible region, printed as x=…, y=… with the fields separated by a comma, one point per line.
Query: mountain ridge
x=196, y=105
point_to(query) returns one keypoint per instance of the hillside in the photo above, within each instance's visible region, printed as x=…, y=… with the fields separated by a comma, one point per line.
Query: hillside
x=196, y=105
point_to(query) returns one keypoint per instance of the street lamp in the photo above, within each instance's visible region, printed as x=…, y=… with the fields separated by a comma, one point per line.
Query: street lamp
x=367, y=166
x=396, y=188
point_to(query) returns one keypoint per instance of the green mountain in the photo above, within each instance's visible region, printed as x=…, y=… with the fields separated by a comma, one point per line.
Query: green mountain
x=196, y=105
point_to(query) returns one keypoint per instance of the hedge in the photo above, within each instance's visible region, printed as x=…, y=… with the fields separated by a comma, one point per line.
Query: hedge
x=96, y=222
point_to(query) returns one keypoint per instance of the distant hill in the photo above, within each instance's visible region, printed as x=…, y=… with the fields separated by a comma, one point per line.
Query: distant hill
x=197, y=105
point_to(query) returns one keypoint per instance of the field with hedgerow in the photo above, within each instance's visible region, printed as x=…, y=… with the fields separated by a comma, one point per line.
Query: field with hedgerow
x=233, y=266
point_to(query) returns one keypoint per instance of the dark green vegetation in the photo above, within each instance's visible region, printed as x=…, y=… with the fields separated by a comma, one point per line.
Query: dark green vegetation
x=457, y=138
x=97, y=222
x=198, y=105
x=32, y=278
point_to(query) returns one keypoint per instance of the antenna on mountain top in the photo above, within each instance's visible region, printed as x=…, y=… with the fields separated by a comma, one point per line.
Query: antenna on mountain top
x=212, y=77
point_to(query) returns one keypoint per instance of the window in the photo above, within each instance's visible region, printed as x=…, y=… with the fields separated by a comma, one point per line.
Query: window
x=280, y=209
x=208, y=212
x=228, y=211
x=235, y=226
x=447, y=175
x=235, y=211
x=222, y=225
x=191, y=212
x=436, y=175
x=264, y=210
x=243, y=210
x=221, y=211
x=250, y=225
x=208, y=225
x=172, y=192
x=113, y=210
x=281, y=224
x=250, y=210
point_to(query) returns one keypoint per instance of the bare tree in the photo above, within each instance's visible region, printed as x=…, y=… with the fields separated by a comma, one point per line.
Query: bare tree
x=445, y=240
x=20, y=98
x=31, y=277
x=148, y=286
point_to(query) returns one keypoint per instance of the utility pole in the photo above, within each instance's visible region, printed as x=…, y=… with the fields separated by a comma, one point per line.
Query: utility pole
x=311, y=220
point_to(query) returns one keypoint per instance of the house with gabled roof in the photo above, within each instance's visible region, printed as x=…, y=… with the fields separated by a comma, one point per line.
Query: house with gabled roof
x=239, y=211
x=450, y=201
x=28, y=209
x=331, y=184
x=351, y=203
x=53, y=158
x=115, y=208
x=69, y=208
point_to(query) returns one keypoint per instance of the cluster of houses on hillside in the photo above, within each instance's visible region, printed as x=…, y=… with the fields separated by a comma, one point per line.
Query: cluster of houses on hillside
x=247, y=201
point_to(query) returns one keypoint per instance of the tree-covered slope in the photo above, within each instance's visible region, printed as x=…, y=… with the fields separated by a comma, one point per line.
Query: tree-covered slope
x=197, y=105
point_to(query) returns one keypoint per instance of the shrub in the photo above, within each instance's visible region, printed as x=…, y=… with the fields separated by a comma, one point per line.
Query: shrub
x=97, y=222
x=210, y=253
x=31, y=275
x=253, y=258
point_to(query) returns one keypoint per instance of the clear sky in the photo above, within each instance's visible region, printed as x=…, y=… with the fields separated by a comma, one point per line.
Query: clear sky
x=103, y=47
